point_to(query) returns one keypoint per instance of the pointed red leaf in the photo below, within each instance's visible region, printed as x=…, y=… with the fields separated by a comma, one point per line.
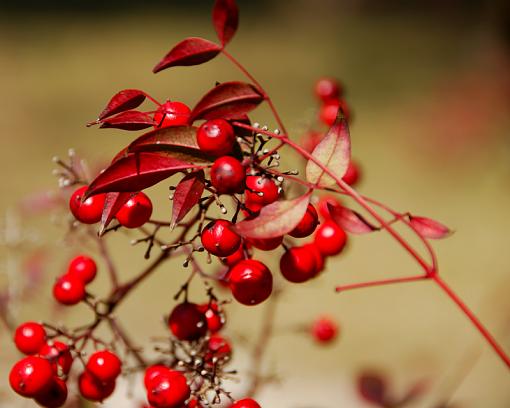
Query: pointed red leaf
x=429, y=228
x=227, y=100
x=334, y=152
x=190, y=51
x=122, y=101
x=225, y=19
x=129, y=120
x=349, y=220
x=275, y=219
x=113, y=203
x=138, y=171
x=187, y=194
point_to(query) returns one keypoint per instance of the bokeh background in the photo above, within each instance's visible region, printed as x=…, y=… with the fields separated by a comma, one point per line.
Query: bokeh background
x=429, y=84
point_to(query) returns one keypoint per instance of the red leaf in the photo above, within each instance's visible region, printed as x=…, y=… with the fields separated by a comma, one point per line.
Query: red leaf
x=187, y=194
x=275, y=219
x=372, y=388
x=137, y=171
x=191, y=51
x=227, y=100
x=129, y=120
x=349, y=220
x=122, y=101
x=113, y=203
x=429, y=228
x=334, y=152
x=225, y=19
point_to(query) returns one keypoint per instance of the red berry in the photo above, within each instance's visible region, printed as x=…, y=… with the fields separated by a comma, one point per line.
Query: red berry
x=88, y=211
x=168, y=390
x=330, y=239
x=246, y=403
x=324, y=330
x=219, y=239
x=352, y=175
x=251, y=282
x=227, y=175
x=55, y=396
x=135, y=212
x=329, y=111
x=237, y=256
x=172, y=114
x=187, y=322
x=152, y=372
x=216, y=137
x=311, y=139
x=214, y=316
x=29, y=337
x=93, y=389
x=59, y=355
x=323, y=205
x=298, y=264
x=83, y=268
x=319, y=259
x=69, y=290
x=307, y=224
x=267, y=244
x=260, y=191
x=31, y=376
x=219, y=348
x=327, y=89
x=104, y=365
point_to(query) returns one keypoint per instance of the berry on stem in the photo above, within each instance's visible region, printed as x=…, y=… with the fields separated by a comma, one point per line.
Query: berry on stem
x=329, y=111
x=246, y=403
x=228, y=175
x=169, y=389
x=250, y=281
x=69, y=290
x=266, y=244
x=352, y=174
x=216, y=137
x=324, y=330
x=152, y=372
x=31, y=376
x=104, y=365
x=328, y=89
x=55, y=396
x=330, y=239
x=187, y=322
x=29, y=337
x=260, y=191
x=219, y=348
x=135, y=212
x=307, y=224
x=59, y=355
x=88, y=211
x=93, y=389
x=298, y=264
x=83, y=267
x=172, y=114
x=219, y=239
x=214, y=315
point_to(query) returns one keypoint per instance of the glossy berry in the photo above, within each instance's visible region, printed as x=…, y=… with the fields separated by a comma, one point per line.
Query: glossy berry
x=319, y=258
x=187, y=322
x=55, y=396
x=251, y=282
x=245, y=403
x=172, y=114
x=29, y=337
x=267, y=244
x=88, y=211
x=69, y=290
x=324, y=330
x=323, y=206
x=218, y=348
x=352, y=175
x=83, y=267
x=298, y=265
x=93, y=389
x=104, y=365
x=227, y=175
x=237, y=256
x=307, y=224
x=59, y=355
x=216, y=137
x=260, y=191
x=329, y=111
x=168, y=390
x=330, y=239
x=214, y=316
x=327, y=89
x=153, y=371
x=31, y=376
x=219, y=239
x=135, y=212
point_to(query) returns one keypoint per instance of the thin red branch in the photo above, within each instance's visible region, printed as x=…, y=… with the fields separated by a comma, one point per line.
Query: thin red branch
x=381, y=282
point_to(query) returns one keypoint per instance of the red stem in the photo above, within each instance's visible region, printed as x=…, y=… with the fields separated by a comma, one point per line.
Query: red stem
x=381, y=282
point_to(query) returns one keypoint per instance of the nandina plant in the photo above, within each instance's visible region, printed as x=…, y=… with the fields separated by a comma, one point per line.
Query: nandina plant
x=218, y=158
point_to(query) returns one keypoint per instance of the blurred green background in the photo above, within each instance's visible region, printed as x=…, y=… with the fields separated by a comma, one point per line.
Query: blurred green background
x=429, y=85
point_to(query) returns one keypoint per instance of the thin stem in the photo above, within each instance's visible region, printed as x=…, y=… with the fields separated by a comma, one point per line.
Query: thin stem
x=112, y=271
x=381, y=282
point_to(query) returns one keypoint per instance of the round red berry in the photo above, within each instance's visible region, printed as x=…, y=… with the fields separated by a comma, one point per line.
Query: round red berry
x=319, y=258
x=298, y=264
x=266, y=244
x=307, y=224
x=135, y=212
x=172, y=114
x=219, y=239
x=168, y=390
x=259, y=192
x=330, y=239
x=250, y=281
x=55, y=396
x=88, y=211
x=69, y=290
x=83, y=267
x=214, y=316
x=93, y=389
x=329, y=111
x=324, y=330
x=237, y=256
x=187, y=322
x=311, y=139
x=246, y=403
x=227, y=175
x=59, y=355
x=352, y=175
x=31, y=376
x=218, y=348
x=327, y=89
x=152, y=372
x=29, y=337
x=216, y=137
x=104, y=365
